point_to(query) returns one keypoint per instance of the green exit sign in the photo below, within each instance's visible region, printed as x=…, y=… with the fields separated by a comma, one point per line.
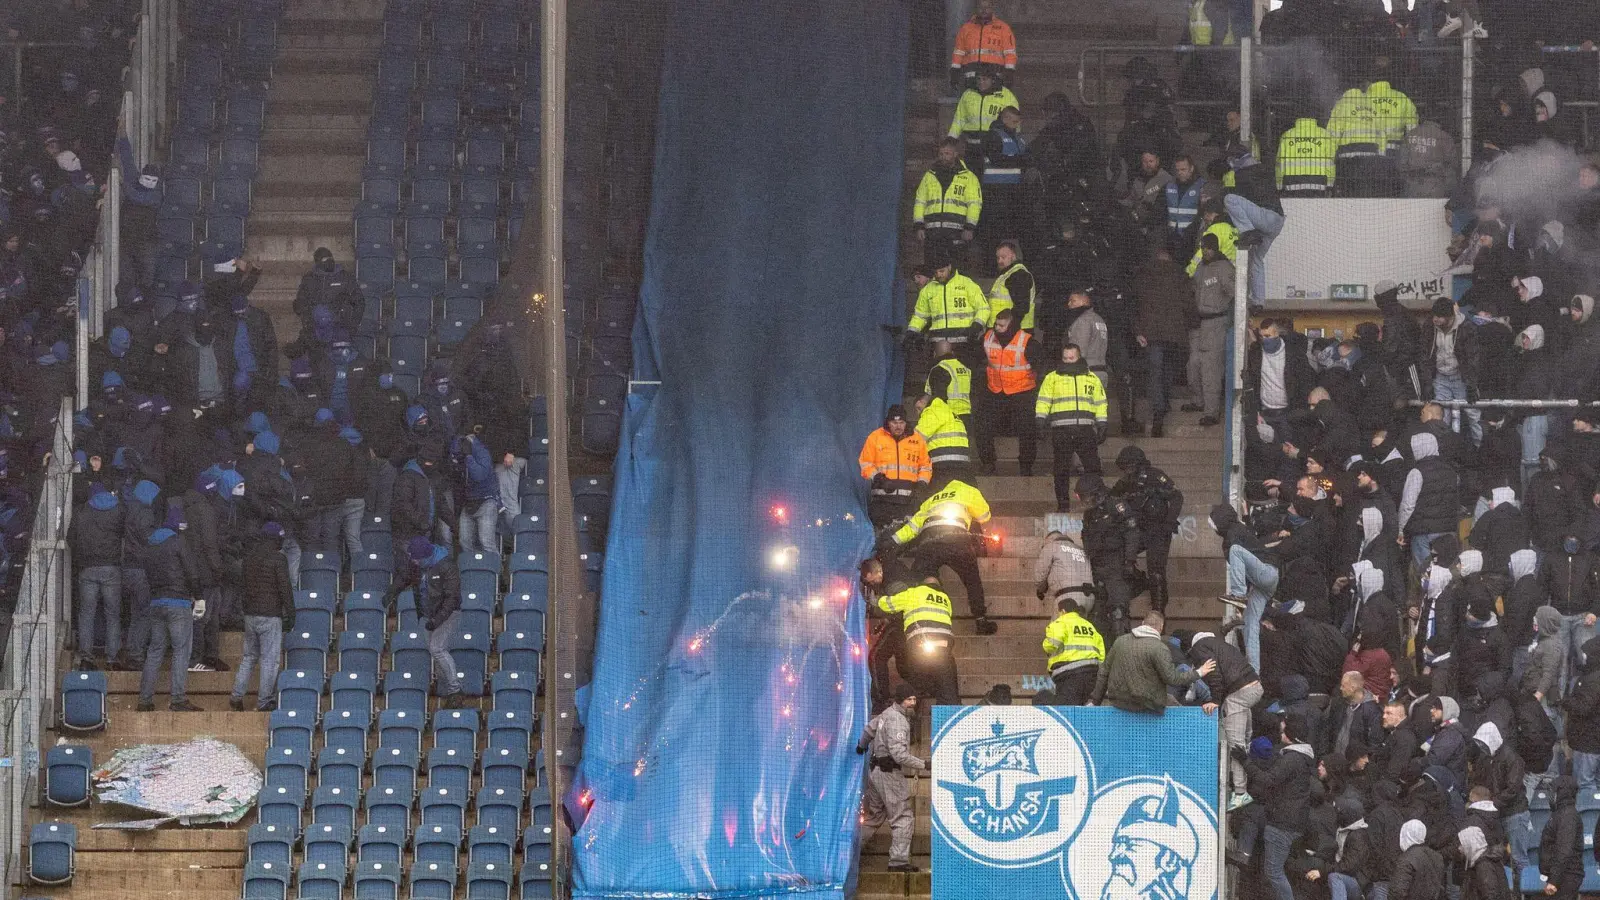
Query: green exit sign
x=1347, y=292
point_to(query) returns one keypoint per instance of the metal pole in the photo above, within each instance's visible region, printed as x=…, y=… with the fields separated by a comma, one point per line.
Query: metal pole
x=1467, y=46
x=1233, y=450
x=564, y=581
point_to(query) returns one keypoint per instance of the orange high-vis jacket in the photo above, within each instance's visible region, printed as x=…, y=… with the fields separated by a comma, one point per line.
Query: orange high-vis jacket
x=902, y=463
x=990, y=42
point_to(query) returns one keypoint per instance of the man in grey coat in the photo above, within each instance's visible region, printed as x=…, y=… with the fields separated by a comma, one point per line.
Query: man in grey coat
x=1089, y=332
x=888, y=794
x=1213, y=299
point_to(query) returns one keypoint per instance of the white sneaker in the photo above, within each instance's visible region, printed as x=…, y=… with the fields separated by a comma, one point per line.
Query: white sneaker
x=201, y=667
x=1238, y=800
x=1452, y=24
x=1478, y=32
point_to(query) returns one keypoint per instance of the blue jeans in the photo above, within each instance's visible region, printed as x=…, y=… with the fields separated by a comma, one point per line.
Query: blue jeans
x=136, y=594
x=1454, y=387
x=1248, y=216
x=1521, y=836
x=100, y=587
x=1256, y=581
x=478, y=526
x=1378, y=890
x=351, y=515
x=292, y=552
x=444, y=665
x=1586, y=768
x=1422, y=550
x=1159, y=388
x=263, y=641
x=1343, y=887
x=174, y=626
x=1535, y=432
x=1277, y=843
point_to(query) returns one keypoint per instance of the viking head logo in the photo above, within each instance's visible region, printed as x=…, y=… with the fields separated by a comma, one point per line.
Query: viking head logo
x=1153, y=850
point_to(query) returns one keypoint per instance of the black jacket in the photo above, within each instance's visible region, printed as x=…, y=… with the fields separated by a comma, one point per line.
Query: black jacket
x=1572, y=583
x=1583, y=704
x=1418, y=875
x=1468, y=353
x=170, y=567
x=1233, y=669
x=415, y=505
x=1553, y=508
x=1499, y=533
x=1366, y=725
x=1561, y=844
x=266, y=581
x=1285, y=784
x=1486, y=880
x=438, y=589
x=204, y=538
x=96, y=534
x=337, y=290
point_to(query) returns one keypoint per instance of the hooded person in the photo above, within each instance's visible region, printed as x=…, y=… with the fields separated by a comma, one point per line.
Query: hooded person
x=328, y=285
x=1501, y=530
x=1496, y=766
x=1430, y=501
x=1447, y=748
x=1353, y=863
x=1374, y=621
x=175, y=589
x=1561, y=845
x=1570, y=583
x=95, y=537
x=1581, y=361
x=1554, y=500
x=1485, y=875
x=1480, y=644
x=1378, y=540
x=1284, y=784
x=1582, y=708
x=432, y=573
x=1438, y=615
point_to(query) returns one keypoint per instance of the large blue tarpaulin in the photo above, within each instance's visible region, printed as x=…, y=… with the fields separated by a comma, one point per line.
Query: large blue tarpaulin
x=730, y=681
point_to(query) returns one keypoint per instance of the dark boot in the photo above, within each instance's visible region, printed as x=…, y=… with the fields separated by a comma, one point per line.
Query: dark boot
x=1119, y=622
x=1158, y=592
x=984, y=625
x=1158, y=427
x=1132, y=427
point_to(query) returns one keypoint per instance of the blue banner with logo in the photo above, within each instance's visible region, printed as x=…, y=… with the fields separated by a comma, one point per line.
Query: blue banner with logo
x=1090, y=803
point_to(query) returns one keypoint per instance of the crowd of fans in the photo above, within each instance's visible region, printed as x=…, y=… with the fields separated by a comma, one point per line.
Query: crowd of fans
x=56, y=128
x=1406, y=661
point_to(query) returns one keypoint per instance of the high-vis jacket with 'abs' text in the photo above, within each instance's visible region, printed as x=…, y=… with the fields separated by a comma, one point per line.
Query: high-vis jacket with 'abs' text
x=924, y=609
x=959, y=394
x=1073, y=643
x=955, y=507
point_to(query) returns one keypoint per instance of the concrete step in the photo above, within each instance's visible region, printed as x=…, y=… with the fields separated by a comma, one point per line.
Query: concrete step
x=293, y=87
x=350, y=142
x=310, y=167
x=315, y=13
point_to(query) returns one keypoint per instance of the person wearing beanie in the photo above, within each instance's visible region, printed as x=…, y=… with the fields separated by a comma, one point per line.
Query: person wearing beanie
x=894, y=462
x=887, y=797
x=1453, y=364
x=430, y=571
x=175, y=589
x=330, y=286
x=141, y=199
x=380, y=413
x=1284, y=783
x=448, y=406
x=268, y=604
x=95, y=537
x=417, y=505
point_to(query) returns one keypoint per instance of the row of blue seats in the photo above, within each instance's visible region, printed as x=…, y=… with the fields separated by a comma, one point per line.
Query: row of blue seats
x=431, y=189
x=474, y=146
x=379, y=881
x=405, y=691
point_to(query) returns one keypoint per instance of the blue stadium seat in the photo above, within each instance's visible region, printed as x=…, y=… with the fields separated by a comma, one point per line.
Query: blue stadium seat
x=83, y=701
x=380, y=184
x=527, y=603
x=301, y=691
x=360, y=657
x=483, y=271
x=405, y=607
x=408, y=652
x=476, y=225
x=66, y=772
x=289, y=765
x=380, y=843
x=541, y=815
x=446, y=73
x=269, y=843
x=240, y=146
x=431, y=184
x=306, y=649
x=486, y=145
x=395, y=766
x=183, y=188
x=375, y=268
x=391, y=108
x=189, y=148
x=293, y=729
x=314, y=608
x=432, y=881
x=515, y=690
x=480, y=184
x=450, y=767
x=457, y=729
x=340, y=767
x=536, y=542
x=320, y=882
x=400, y=728
x=505, y=767
x=510, y=729
x=428, y=267
x=247, y=108
x=266, y=880
x=377, y=880
x=536, y=872
x=175, y=226
x=451, y=29
x=408, y=354
x=347, y=728
x=519, y=650
x=328, y=843
x=281, y=806
x=443, y=806
x=374, y=223
x=601, y=428
x=225, y=225
x=365, y=611
x=488, y=881
x=389, y=805
x=441, y=108
x=406, y=691
x=232, y=186
x=490, y=844
x=436, y=146
x=437, y=844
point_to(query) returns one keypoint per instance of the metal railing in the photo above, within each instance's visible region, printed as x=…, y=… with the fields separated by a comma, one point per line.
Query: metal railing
x=28, y=676
x=143, y=121
x=1094, y=76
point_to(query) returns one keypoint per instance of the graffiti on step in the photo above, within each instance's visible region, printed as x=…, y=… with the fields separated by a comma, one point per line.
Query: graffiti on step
x=1038, y=683
x=1071, y=525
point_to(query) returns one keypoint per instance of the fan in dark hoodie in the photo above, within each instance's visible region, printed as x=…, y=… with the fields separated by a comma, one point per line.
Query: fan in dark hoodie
x=1561, y=844
x=95, y=537
x=1583, y=719
x=1353, y=856
x=174, y=586
x=1418, y=872
x=1285, y=785
x=1485, y=875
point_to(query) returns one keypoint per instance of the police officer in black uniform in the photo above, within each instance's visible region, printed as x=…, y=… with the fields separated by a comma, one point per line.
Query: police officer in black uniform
x=1111, y=536
x=1157, y=502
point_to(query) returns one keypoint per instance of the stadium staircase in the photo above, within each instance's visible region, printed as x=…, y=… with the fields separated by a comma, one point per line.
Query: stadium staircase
x=313, y=145
x=1050, y=39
